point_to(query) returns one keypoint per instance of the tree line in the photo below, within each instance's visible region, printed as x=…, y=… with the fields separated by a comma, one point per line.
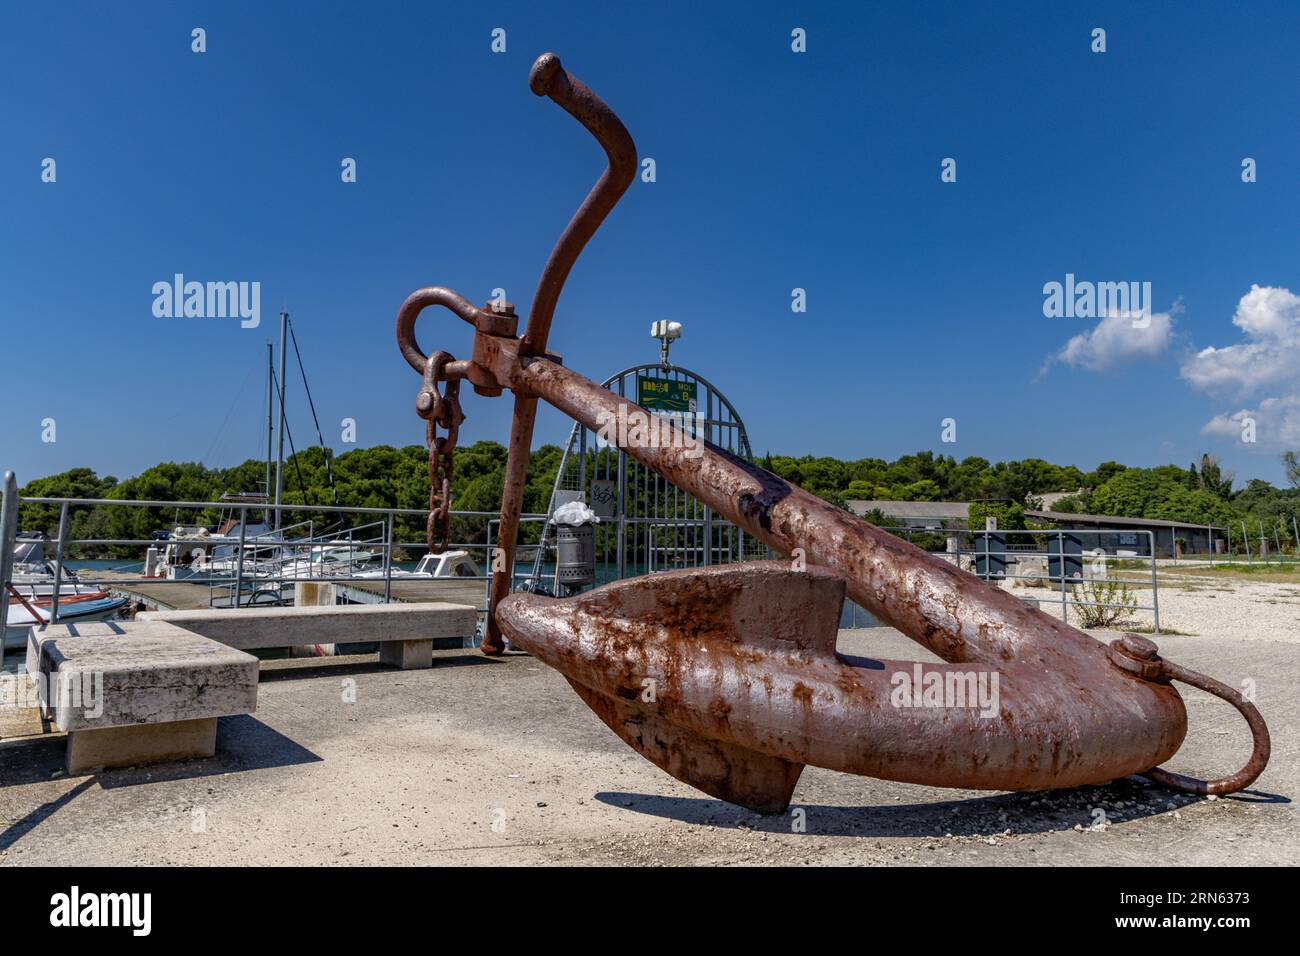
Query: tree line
x=386, y=477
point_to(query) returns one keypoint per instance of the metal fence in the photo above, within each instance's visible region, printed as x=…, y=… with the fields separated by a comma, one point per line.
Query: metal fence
x=1070, y=570
x=240, y=579
x=1254, y=547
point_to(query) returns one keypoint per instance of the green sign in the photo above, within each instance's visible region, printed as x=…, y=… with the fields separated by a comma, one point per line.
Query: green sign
x=665, y=395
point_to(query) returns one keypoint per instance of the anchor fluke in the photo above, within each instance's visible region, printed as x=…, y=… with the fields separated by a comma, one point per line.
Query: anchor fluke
x=727, y=771
x=659, y=658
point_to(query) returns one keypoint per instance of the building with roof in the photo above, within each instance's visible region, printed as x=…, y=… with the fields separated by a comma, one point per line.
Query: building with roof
x=935, y=515
x=1129, y=534
x=1120, y=534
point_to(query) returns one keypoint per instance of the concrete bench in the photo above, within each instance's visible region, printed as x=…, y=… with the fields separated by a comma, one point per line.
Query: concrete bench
x=405, y=632
x=128, y=693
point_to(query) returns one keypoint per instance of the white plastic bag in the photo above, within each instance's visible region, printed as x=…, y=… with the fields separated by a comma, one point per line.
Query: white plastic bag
x=574, y=513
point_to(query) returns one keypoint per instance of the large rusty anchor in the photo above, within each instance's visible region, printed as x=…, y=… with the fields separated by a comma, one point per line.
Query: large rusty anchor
x=727, y=677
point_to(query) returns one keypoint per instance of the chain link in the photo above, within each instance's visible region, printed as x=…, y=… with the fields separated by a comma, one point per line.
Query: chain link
x=440, y=411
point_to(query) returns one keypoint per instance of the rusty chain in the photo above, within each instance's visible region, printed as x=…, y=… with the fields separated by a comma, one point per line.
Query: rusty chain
x=439, y=411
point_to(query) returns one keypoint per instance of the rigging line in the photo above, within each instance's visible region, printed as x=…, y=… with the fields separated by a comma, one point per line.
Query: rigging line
x=220, y=433
x=288, y=432
x=320, y=439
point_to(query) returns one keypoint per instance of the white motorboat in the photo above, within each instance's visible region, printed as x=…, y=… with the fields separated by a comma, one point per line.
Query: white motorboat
x=193, y=552
x=328, y=561
x=449, y=564
x=25, y=613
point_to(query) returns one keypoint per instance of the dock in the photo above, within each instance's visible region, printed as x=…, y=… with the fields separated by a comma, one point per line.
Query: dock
x=472, y=591
x=154, y=593
x=163, y=595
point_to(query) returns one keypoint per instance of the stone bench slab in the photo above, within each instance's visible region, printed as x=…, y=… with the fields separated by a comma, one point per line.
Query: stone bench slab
x=405, y=632
x=126, y=675
x=37, y=637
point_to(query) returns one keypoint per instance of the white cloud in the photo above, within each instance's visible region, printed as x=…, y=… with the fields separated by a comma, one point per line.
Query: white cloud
x=1116, y=340
x=1276, y=424
x=1269, y=354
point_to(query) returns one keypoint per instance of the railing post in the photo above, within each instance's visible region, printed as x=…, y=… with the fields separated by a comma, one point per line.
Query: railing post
x=1155, y=585
x=491, y=559
x=8, y=532
x=1060, y=548
x=239, y=562
x=58, y=563
x=388, y=557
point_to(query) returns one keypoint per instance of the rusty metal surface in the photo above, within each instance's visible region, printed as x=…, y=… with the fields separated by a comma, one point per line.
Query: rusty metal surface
x=744, y=654
x=548, y=78
x=749, y=686
x=1138, y=655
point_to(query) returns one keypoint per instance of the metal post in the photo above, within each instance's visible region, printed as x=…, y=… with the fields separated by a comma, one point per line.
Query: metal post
x=270, y=411
x=1060, y=547
x=388, y=558
x=487, y=592
x=1263, y=542
x=620, y=511
x=279, y=441
x=239, y=562
x=1245, y=540
x=8, y=532
x=58, y=563
x=1296, y=532
x=1155, y=585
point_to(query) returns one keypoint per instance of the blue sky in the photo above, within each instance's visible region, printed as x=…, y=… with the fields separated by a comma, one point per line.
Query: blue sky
x=775, y=170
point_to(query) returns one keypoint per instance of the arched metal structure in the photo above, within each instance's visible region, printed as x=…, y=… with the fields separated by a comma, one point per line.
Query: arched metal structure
x=648, y=524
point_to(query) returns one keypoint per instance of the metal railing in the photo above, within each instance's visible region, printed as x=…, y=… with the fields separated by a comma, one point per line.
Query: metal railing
x=240, y=575
x=1026, y=547
x=243, y=572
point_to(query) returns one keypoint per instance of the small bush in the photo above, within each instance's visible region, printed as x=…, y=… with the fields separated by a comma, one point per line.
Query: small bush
x=1088, y=598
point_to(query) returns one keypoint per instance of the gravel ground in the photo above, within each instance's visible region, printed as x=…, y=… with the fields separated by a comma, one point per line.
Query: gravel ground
x=498, y=762
x=1230, y=608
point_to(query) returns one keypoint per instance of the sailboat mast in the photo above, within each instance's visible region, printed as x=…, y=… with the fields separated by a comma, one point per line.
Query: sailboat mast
x=270, y=410
x=279, y=441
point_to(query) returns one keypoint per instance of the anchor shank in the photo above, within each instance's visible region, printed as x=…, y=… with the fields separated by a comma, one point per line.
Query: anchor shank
x=951, y=612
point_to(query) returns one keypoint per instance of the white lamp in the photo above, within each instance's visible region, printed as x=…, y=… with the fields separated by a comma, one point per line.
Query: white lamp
x=666, y=332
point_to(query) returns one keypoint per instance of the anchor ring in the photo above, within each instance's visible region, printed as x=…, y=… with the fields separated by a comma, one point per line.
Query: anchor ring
x=1262, y=745
x=1138, y=656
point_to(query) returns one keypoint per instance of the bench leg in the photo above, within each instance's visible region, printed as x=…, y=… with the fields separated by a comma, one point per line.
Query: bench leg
x=144, y=743
x=408, y=655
